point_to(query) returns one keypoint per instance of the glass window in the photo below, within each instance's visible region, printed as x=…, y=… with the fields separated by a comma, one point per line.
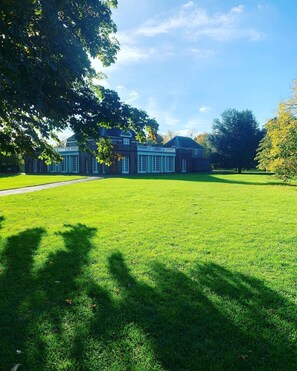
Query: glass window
x=126, y=141
x=95, y=165
x=125, y=165
x=169, y=164
x=156, y=164
x=52, y=167
x=142, y=164
x=64, y=165
x=74, y=164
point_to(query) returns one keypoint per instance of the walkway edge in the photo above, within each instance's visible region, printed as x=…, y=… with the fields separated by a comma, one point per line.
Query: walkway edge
x=41, y=187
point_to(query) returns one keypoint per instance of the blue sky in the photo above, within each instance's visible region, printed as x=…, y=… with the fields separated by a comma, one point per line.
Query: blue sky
x=185, y=62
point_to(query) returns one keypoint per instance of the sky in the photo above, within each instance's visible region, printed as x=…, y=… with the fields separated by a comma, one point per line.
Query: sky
x=185, y=62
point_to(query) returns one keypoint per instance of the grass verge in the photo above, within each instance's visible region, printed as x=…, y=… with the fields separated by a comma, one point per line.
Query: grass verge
x=19, y=181
x=152, y=273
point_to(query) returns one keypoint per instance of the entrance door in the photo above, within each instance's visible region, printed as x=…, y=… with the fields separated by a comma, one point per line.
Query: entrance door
x=125, y=165
x=184, y=165
x=87, y=166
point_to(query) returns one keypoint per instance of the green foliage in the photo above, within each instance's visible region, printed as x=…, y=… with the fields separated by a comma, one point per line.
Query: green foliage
x=278, y=149
x=106, y=154
x=45, y=74
x=234, y=140
x=11, y=164
x=210, y=287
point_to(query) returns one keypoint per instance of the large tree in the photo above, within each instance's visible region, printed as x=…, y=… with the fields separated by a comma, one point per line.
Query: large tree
x=46, y=74
x=234, y=140
x=278, y=149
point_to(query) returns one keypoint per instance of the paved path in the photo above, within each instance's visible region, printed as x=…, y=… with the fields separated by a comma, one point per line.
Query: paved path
x=44, y=186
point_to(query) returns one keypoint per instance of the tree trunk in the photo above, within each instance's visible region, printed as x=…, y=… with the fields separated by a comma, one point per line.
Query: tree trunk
x=239, y=170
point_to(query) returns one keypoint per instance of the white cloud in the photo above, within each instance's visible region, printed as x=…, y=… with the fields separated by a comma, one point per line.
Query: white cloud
x=129, y=54
x=132, y=96
x=237, y=9
x=120, y=87
x=183, y=132
x=188, y=5
x=204, y=109
x=128, y=96
x=195, y=22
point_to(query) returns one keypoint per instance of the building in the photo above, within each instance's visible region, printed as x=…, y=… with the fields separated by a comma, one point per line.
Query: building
x=179, y=155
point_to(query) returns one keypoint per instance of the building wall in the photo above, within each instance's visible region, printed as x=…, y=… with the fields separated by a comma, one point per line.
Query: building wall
x=185, y=161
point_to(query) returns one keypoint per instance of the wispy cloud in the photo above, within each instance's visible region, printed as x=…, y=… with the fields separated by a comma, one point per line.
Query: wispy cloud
x=165, y=118
x=196, y=22
x=132, y=96
x=128, y=96
x=133, y=54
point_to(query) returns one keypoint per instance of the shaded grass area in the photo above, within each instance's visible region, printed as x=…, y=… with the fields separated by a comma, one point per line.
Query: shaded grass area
x=138, y=274
x=19, y=181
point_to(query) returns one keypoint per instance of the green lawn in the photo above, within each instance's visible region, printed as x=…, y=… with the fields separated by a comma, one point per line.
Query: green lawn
x=183, y=272
x=19, y=181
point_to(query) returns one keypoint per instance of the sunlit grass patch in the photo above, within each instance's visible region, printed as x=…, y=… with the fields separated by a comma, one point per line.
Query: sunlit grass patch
x=19, y=181
x=153, y=273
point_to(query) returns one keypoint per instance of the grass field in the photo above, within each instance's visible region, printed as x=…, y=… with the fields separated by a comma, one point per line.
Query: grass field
x=183, y=272
x=19, y=181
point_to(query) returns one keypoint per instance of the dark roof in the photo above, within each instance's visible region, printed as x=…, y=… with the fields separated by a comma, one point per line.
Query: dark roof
x=183, y=142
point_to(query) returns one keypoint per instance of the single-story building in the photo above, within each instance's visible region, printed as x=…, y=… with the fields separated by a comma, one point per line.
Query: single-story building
x=179, y=155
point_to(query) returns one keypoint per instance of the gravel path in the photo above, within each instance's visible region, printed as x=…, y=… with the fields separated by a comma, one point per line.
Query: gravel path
x=45, y=186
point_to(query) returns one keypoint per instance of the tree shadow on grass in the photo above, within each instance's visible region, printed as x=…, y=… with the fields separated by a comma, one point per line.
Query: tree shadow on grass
x=61, y=317
x=214, y=178
x=210, y=319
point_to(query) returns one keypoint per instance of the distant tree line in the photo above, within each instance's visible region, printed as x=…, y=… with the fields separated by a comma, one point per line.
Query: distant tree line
x=237, y=142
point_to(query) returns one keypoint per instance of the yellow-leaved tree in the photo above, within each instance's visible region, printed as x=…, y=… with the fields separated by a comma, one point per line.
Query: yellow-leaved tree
x=278, y=149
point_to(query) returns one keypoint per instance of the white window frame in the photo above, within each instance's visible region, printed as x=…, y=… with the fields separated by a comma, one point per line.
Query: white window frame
x=95, y=166
x=156, y=164
x=169, y=164
x=74, y=164
x=125, y=165
x=64, y=165
x=142, y=164
x=126, y=141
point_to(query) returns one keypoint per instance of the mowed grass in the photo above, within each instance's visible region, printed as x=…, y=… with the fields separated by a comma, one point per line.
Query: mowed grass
x=183, y=272
x=19, y=181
